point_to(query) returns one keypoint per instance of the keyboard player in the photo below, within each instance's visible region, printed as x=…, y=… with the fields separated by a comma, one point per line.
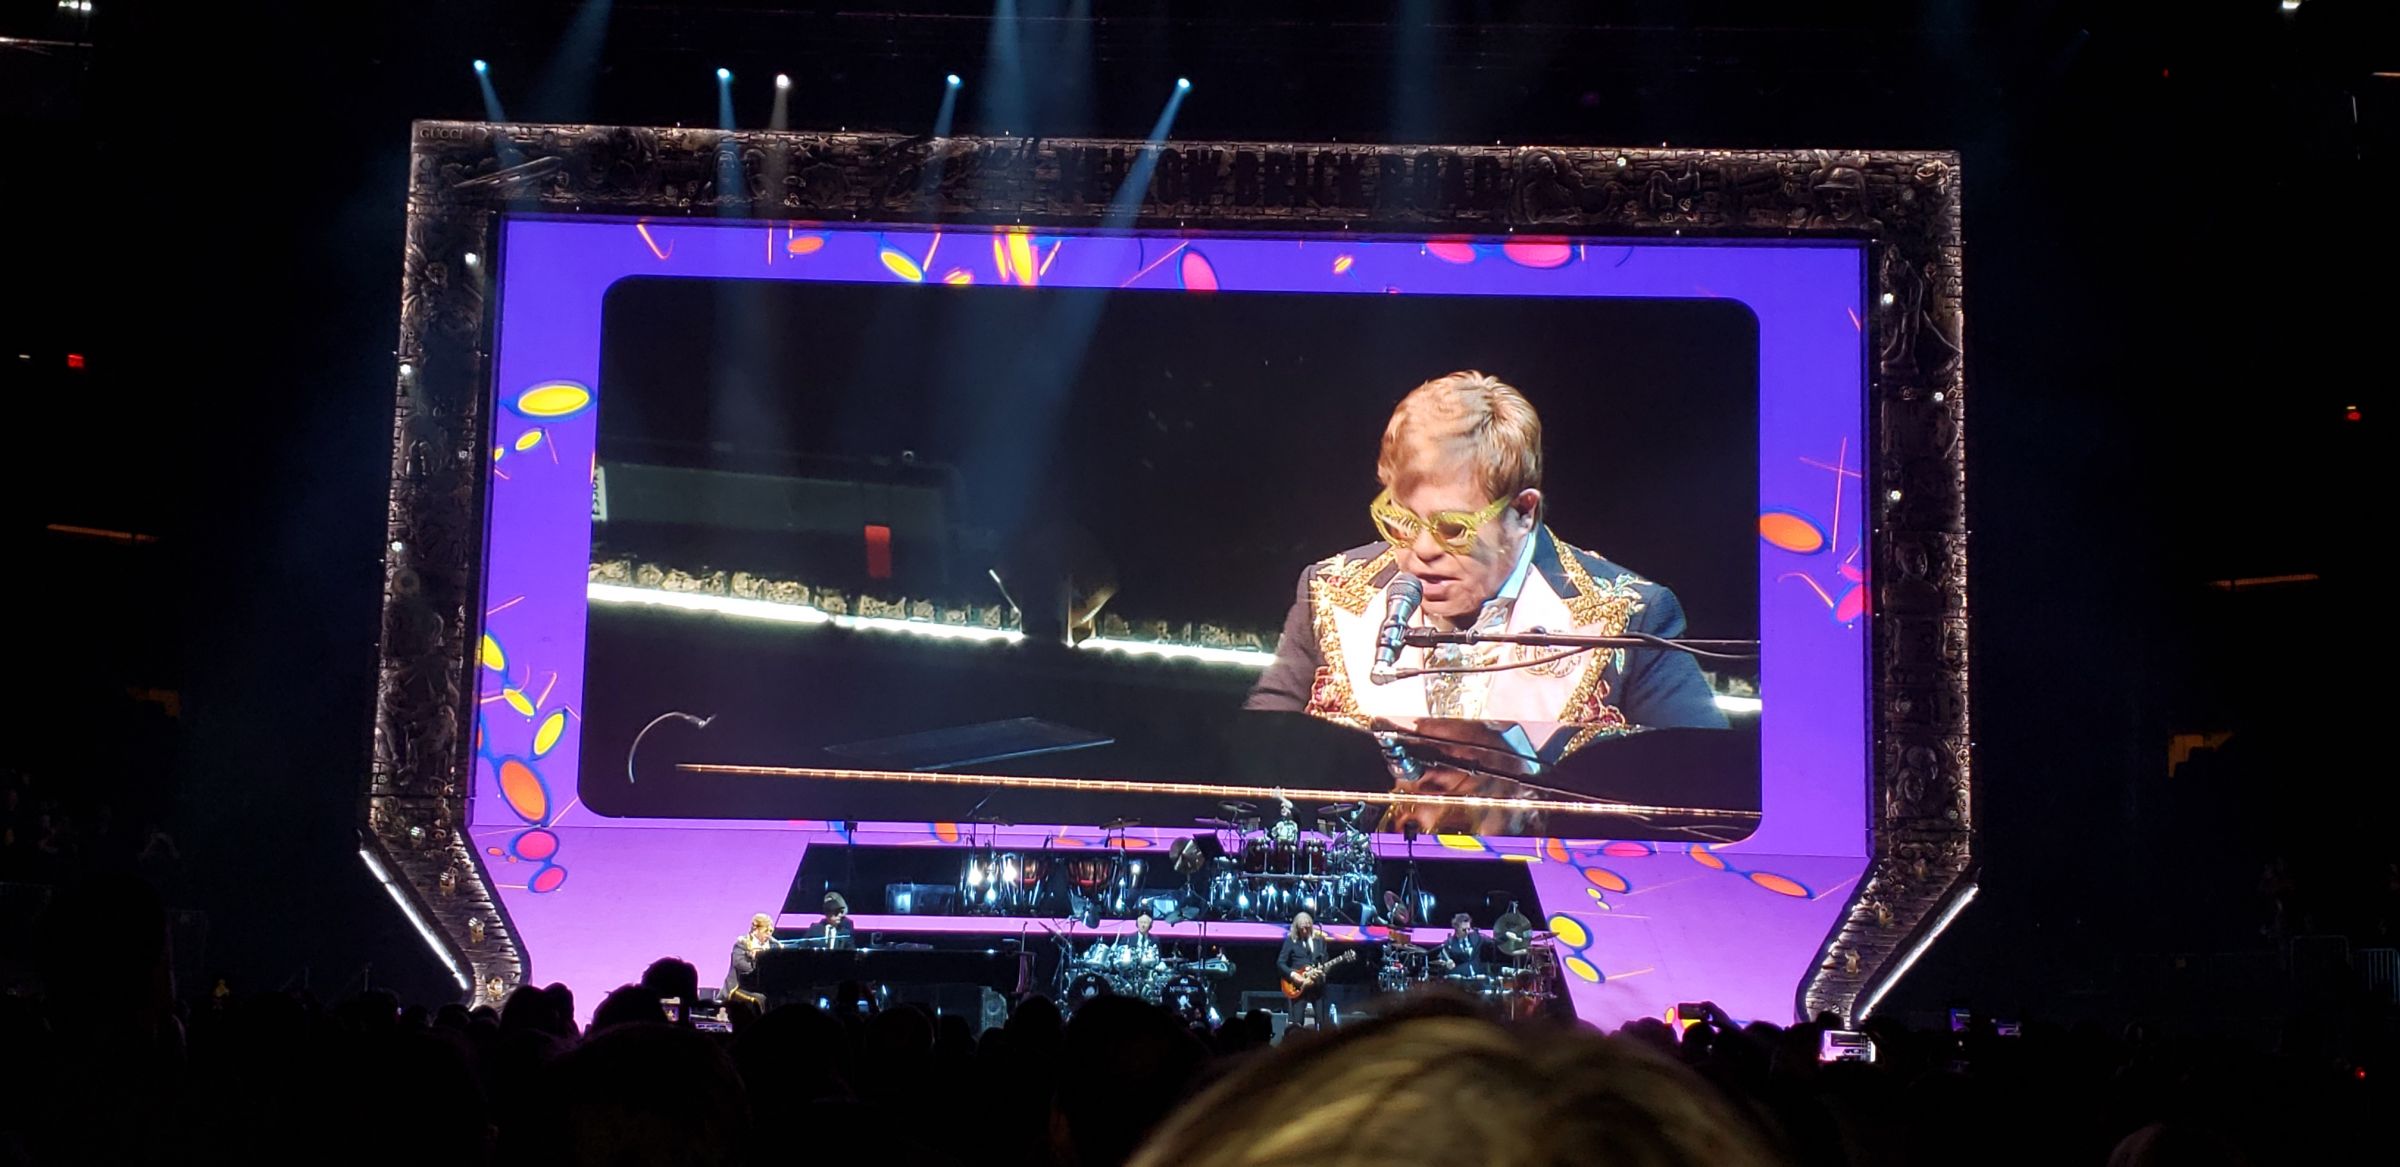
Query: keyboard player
x=741, y=980
x=834, y=930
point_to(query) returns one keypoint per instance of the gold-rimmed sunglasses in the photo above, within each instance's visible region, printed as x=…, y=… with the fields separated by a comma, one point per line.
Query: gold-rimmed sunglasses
x=1453, y=530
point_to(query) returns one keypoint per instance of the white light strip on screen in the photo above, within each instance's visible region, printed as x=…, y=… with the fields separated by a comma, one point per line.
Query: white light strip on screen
x=741, y=609
x=1246, y=657
x=375, y=867
x=1908, y=960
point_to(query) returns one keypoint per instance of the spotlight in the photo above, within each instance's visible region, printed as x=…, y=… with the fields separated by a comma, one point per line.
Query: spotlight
x=1183, y=83
x=952, y=80
x=782, y=80
x=2288, y=6
x=724, y=74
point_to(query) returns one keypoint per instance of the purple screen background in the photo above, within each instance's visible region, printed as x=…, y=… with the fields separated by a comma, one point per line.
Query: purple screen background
x=1641, y=926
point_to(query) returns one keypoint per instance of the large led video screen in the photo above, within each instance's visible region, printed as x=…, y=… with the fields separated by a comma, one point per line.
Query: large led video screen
x=889, y=531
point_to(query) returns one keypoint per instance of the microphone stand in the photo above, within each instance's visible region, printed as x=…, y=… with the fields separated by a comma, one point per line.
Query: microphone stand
x=1570, y=643
x=1427, y=638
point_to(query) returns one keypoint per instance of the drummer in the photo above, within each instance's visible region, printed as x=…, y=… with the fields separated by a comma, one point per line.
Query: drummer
x=1141, y=943
x=1463, y=954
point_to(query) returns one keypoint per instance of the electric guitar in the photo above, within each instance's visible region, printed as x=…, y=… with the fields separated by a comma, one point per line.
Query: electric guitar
x=1307, y=980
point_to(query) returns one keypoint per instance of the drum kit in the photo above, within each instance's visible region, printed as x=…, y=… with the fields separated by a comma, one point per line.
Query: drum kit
x=1269, y=871
x=1517, y=987
x=995, y=881
x=1133, y=968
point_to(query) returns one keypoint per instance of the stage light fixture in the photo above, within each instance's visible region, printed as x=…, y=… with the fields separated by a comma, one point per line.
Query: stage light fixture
x=408, y=909
x=1183, y=83
x=2288, y=6
x=783, y=81
x=482, y=66
x=952, y=80
x=1908, y=960
x=724, y=74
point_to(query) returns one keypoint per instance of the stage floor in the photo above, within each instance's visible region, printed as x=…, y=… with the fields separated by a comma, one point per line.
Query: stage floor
x=1639, y=926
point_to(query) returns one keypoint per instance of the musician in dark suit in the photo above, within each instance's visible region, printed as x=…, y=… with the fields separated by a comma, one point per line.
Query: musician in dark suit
x=741, y=980
x=1462, y=511
x=834, y=930
x=1462, y=954
x=1303, y=948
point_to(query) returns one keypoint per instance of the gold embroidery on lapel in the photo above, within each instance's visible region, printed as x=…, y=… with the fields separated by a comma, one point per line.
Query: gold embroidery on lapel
x=1349, y=583
x=1599, y=609
x=1346, y=584
x=1611, y=605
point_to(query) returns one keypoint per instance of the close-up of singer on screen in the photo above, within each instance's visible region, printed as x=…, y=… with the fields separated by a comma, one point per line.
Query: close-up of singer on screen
x=1465, y=547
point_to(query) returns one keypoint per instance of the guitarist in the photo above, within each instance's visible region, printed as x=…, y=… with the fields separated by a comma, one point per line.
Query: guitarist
x=1301, y=961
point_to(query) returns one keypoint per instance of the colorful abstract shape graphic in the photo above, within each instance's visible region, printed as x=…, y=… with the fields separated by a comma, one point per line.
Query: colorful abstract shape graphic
x=901, y=265
x=1017, y=260
x=546, y=735
x=1198, y=274
x=528, y=440
x=1451, y=250
x=1606, y=880
x=1779, y=884
x=1343, y=263
x=535, y=846
x=1539, y=251
x=522, y=787
x=517, y=700
x=493, y=658
x=552, y=400
x=804, y=245
x=1462, y=842
x=547, y=879
x=1582, y=969
x=1570, y=932
x=1792, y=531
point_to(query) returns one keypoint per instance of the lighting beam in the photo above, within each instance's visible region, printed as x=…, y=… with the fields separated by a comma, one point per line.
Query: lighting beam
x=491, y=97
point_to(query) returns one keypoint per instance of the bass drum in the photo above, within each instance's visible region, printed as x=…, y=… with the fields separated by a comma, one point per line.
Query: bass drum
x=1186, y=996
x=1089, y=985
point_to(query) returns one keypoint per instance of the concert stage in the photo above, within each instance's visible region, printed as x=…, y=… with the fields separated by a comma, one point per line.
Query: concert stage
x=875, y=478
x=1639, y=927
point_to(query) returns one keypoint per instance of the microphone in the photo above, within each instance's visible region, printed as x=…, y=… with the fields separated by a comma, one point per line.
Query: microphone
x=1399, y=607
x=696, y=722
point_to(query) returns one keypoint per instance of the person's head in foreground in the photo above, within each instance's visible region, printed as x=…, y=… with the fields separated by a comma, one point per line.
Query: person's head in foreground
x=1461, y=467
x=1458, y=1089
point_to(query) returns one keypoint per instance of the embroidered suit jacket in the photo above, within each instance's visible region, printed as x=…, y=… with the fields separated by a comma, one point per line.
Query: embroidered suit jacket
x=1328, y=646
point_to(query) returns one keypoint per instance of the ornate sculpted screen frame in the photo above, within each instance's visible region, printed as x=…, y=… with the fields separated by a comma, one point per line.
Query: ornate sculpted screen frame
x=1903, y=205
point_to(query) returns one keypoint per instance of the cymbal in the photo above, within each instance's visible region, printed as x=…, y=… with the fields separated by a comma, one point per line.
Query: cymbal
x=1120, y=824
x=1239, y=808
x=1220, y=824
x=1341, y=808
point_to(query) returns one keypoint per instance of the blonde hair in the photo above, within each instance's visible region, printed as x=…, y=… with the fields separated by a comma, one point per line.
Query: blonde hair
x=761, y=920
x=1458, y=1089
x=1469, y=415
